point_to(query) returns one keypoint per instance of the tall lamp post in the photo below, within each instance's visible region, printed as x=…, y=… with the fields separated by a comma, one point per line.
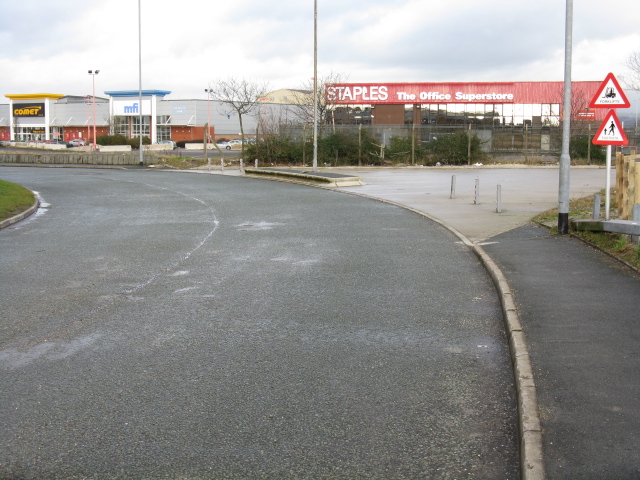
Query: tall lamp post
x=565, y=158
x=140, y=152
x=93, y=85
x=315, y=85
x=209, y=92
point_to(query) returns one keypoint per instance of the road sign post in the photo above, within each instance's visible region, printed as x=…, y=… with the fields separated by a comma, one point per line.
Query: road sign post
x=610, y=95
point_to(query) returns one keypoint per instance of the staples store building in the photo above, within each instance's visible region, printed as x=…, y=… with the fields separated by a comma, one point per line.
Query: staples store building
x=496, y=104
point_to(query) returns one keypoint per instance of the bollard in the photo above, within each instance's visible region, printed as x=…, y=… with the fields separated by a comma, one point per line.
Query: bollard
x=222, y=164
x=453, y=187
x=256, y=163
x=476, y=199
x=499, y=199
x=596, y=207
x=241, y=166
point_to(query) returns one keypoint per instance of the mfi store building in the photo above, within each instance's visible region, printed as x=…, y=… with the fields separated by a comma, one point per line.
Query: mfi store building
x=535, y=104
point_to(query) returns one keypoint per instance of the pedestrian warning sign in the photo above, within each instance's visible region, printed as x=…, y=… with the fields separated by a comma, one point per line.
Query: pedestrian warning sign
x=610, y=132
x=610, y=95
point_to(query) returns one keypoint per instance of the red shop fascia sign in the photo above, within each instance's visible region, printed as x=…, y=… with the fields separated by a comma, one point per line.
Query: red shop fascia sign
x=417, y=93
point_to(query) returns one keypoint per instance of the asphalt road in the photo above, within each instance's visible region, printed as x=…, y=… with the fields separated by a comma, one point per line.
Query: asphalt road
x=168, y=325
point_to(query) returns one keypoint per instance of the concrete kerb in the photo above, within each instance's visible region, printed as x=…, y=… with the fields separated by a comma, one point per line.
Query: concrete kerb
x=311, y=178
x=531, y=453
x=21, y=216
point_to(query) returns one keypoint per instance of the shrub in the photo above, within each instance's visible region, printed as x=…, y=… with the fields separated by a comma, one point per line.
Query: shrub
x=399, y=150
x=579, y=148
x=453, y=149
x=135, y=142
x=112, y=140
x=342, y=148
x=275, y=149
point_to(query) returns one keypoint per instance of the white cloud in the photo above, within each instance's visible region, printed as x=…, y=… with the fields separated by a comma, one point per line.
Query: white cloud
x=193, y=42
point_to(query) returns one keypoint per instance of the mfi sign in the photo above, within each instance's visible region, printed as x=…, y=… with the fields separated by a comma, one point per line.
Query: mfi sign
x=131, y=107
x=29, y=110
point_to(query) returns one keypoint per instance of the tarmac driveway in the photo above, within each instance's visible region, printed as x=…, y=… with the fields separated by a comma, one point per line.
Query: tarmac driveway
x=160, y=325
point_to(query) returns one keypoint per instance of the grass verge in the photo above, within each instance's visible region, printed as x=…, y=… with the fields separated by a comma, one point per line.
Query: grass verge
x=181, y=163
x=616, y=244
x=14, y=199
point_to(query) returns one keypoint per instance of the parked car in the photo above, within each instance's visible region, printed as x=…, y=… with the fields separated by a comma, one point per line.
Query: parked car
x=226, y=145
x=78, y=142
x=235, y=142
x=169, y=143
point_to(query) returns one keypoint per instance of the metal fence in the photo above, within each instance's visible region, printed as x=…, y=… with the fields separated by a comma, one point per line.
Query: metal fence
x=495, y=140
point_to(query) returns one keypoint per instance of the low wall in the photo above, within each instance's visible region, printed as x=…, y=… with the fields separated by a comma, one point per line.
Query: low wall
x=198, y=146
x=77, y=159
x=159, y=148
x=114, y=148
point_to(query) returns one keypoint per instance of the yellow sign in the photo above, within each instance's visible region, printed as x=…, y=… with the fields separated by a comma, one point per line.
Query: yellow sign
x=31, y=110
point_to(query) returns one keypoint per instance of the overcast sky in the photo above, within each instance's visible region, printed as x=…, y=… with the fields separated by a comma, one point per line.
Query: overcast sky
x=47, y=47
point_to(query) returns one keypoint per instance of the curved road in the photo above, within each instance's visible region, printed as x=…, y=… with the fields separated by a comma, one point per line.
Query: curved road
x=170, y=325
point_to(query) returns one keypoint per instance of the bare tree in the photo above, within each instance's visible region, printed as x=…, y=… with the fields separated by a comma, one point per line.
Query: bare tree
x=632, y=81
x=303, y=108
x=239, y=96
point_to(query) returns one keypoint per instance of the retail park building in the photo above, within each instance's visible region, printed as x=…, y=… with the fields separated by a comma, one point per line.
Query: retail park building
x=37, y=117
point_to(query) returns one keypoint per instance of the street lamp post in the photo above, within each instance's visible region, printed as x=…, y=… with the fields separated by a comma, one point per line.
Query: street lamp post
x=315, y=85
x=93, y=85
x=565, y=158
x=208, y=134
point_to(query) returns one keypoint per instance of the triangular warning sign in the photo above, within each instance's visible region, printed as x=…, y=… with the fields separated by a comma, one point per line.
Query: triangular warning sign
x=611, y=132
x=610, y=95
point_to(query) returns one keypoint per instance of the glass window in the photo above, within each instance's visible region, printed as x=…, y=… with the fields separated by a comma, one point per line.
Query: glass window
x=163, y=132
x=121, y=126
x=536, y=110
x=135, y=124
x=408, y=114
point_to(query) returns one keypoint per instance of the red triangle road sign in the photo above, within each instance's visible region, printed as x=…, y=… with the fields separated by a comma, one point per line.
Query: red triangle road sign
x=610, y=132
x=610, y=95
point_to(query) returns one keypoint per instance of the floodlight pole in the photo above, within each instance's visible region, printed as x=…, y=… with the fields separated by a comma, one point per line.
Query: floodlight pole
x=140, y=78
x=315, y=85
x=208, y=132
x=93, y=85
x=565, y=158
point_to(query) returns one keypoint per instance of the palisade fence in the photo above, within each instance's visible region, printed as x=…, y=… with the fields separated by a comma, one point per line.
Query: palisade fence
x=497, y=141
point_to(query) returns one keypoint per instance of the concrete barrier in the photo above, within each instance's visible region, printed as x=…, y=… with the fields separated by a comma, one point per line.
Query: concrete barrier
x=157, y=148
x=114, y=148
x=53, y=146
x=197, y=146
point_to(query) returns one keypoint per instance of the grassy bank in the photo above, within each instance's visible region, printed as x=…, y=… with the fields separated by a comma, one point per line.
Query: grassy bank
x=615, y=244
x=14, y=199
